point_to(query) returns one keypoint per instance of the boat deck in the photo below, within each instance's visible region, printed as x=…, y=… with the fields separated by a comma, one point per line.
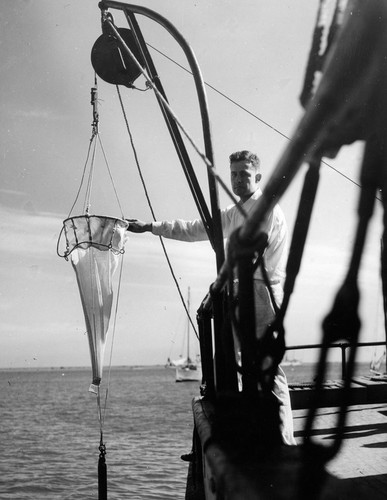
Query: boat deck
x=362, y=459
x=358, y=471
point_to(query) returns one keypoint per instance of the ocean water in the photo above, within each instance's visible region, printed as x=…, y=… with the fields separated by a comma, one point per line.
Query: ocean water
x=50, y=432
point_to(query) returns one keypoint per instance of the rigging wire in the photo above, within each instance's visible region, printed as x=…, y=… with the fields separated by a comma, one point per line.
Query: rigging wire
x=152, y=211
x=92, y=150
x=220, y=93
x=83, y=177
x=89, y=185
x=209, y=165
x=167, y=106
x=235, y=103
x=90, y=161
x=110, y=175
x=113, y=336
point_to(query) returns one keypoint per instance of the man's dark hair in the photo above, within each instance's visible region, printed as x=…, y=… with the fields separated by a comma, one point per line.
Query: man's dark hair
x=246, y=156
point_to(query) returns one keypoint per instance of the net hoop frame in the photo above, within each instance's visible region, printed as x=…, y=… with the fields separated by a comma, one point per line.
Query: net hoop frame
x=89, y=242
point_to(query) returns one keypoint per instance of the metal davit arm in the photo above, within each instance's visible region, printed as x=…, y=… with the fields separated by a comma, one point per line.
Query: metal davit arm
x=215, y=226
x=216, y=370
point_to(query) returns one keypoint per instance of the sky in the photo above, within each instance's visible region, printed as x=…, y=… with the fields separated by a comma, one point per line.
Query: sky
x=252, y=51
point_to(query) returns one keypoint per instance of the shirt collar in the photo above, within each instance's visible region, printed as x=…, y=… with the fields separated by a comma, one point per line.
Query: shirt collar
x=253, y=197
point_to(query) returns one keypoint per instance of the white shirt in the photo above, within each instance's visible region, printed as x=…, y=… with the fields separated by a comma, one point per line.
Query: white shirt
x=276, y=251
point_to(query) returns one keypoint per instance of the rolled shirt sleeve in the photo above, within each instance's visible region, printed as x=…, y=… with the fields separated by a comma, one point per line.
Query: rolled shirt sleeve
x=275, y=226
x=180, y=230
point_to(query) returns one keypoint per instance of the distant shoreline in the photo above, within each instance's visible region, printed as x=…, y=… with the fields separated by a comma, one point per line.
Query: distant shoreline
x=77, y=368
x=134, y=367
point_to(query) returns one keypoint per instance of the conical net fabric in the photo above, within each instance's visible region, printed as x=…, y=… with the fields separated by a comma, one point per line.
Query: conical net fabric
x=95, y=245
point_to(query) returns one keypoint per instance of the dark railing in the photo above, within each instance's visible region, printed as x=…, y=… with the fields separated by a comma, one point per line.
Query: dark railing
x=216, y=377
x=340, y=345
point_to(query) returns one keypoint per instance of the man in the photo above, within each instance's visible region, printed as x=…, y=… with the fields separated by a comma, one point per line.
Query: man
x=245, y=179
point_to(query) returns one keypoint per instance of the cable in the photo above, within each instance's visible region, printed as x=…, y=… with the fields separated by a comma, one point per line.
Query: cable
x=251, y=114
x=110, y=175
x=173, y=115
x=112, y=342
x=89, y=185
x=152, y=211
x=83, y=176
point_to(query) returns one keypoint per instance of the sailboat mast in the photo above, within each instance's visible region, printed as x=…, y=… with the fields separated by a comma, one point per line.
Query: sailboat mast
x=188, y=322
x=384, y=290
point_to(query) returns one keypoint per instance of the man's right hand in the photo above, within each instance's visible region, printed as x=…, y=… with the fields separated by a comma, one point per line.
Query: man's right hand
x=138, y=226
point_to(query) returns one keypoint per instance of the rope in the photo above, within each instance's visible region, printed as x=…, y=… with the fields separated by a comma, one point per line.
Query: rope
x=267, y=124
x=91, y=155
x=152, y=211
x=93, y=150
x=167, y=106
x=87, y=201
x=113, y=336
x=110, y=175
x=99, y=412
x=221, y=93
x=83, y=176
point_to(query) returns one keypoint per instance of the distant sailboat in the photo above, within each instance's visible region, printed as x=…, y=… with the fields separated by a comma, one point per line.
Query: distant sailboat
x=376, y=362
x=188, y=369
x=169, y=363
x=290, y=361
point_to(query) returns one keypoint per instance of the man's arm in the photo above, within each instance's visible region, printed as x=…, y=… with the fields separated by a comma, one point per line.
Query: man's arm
x=177, y=229
x=138, y=226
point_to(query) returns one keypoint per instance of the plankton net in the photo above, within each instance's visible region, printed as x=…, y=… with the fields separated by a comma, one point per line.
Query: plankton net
x=94, y=245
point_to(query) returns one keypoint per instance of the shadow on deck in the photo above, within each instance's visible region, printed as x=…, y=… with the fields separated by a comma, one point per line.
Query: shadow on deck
x=358, y=471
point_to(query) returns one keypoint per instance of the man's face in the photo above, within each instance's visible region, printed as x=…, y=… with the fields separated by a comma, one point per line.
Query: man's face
x=244, y=179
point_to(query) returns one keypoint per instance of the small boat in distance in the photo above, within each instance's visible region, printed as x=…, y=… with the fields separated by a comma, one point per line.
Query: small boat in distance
x=290, y=361
x=188, y=369
x=377, y=362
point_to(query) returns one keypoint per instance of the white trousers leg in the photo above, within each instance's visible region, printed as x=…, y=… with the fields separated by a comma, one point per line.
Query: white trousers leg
x=264, y=315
